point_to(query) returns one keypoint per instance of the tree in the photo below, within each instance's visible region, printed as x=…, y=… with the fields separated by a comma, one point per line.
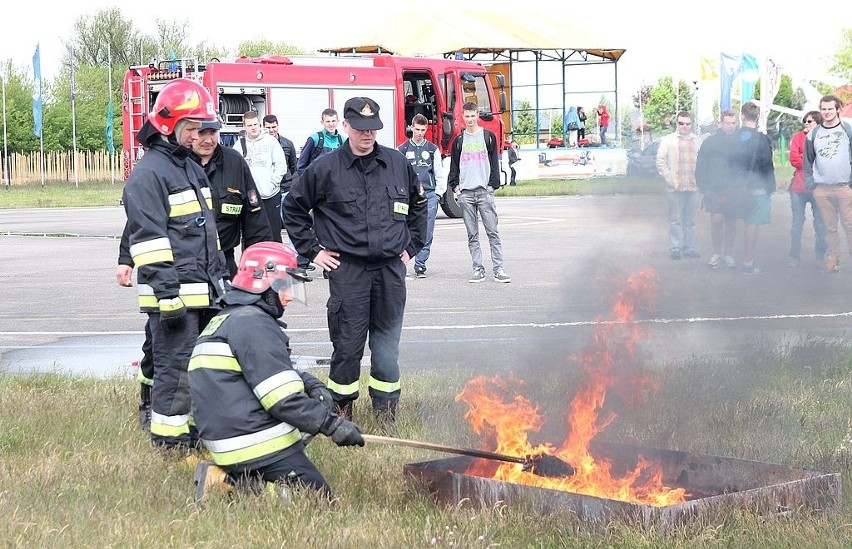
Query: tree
x=842, y=65
x=92, y=34
x=19, y=110
x=256, y=48
x=664, y=102
x=172, y=38
x=523, y=127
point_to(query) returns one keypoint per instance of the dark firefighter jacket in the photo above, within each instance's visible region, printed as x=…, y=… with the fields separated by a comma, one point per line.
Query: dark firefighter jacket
x=173, y=239
x=236, y=201
x=367, y=208
x=249, y=404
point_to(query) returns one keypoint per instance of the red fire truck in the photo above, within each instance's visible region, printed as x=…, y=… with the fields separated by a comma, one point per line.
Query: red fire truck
x=297, y=89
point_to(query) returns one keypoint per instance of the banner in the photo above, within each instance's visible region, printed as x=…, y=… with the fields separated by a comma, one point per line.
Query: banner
x=750, y=75
x=770, y=82
x=37, y=96
x=730, y=67
x=708, y=69
x=109, y=141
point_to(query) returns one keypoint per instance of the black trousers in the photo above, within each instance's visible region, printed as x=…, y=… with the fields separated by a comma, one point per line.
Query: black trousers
x=295, y=470
x=366, y=302
x=272, y=209
x=172, y=350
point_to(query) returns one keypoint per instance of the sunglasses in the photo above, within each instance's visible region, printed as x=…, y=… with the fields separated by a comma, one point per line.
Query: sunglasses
x=809, y=121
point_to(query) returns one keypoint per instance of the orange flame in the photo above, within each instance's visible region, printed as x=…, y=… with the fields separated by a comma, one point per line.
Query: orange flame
x=609, y=363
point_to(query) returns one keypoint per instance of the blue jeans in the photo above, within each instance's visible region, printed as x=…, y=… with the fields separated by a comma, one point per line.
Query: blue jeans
x=798, y=204
x=682, y=208
x=431, y=214
x=474, y=203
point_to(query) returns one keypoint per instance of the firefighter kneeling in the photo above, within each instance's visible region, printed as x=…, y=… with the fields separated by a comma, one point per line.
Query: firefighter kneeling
x=249, y=404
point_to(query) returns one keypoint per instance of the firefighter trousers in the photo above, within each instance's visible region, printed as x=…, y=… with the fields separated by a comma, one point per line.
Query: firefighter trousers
x=170, y=406
x=366, y=301
x=294, y=470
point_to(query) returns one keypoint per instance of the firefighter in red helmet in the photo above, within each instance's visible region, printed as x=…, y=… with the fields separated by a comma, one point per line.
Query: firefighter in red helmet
x=251, y=407
x=174, y=245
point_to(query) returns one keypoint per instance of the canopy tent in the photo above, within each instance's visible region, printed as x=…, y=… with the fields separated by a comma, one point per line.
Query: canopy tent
x=489, y=37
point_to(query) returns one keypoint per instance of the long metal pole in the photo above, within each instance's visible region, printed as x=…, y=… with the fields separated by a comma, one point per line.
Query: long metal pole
x=5, y=141
x=110, y=146
x=73, y=118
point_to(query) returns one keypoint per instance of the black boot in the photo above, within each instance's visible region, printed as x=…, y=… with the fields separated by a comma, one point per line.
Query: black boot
x=385, y=413
x=145, y=407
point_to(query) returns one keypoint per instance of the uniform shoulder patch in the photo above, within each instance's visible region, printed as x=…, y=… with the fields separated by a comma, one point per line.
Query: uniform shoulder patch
x=253, y=199
x=213, y=325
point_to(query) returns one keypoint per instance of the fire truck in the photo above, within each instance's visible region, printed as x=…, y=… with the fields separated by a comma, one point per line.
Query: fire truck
x=297, y=89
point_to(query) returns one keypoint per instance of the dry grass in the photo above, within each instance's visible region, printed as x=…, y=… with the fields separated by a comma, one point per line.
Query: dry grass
x=77, y=472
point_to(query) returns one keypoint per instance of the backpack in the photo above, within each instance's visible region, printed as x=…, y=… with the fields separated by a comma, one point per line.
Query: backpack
x=320, y=143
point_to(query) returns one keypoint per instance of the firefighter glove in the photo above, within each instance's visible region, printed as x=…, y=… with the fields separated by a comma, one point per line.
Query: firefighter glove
x=346, y=433
x=317, y=390
x=172, y=313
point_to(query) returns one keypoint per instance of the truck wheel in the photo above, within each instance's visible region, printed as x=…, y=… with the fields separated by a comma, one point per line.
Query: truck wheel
x=450, y=206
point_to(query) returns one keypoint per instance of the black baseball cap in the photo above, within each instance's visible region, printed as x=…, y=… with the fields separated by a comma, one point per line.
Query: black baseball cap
x=362, y=113
x=211, y=125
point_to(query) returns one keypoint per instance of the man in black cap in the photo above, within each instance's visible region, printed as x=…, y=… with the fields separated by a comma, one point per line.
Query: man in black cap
x=239, y=210
x=369, y=221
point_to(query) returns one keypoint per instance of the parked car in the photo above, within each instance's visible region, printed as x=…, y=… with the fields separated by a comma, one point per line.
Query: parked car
x=643, y=163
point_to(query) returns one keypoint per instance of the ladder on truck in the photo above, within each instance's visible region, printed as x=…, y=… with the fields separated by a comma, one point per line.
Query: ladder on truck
x=138, y=112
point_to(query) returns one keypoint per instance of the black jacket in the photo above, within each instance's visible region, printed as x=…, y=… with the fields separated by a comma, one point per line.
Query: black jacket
x=243, y=384
x=712, y=168
x=367, y=208
x=493, y=158
x=239, y=211
x=290, y=151
x=172, y=230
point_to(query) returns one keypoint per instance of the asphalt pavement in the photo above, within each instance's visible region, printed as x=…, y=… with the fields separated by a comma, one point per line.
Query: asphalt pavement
x=63, y=312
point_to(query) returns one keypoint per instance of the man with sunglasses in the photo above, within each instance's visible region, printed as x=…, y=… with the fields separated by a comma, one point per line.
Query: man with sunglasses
x=828, y=173
x=676, y=160
x=800, y=196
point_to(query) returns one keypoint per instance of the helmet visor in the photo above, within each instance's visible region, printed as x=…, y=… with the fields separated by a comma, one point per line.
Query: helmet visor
x=293, y=284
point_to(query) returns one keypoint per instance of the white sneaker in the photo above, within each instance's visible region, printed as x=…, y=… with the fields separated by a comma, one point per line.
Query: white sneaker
x=730, y=262
x=714, y=261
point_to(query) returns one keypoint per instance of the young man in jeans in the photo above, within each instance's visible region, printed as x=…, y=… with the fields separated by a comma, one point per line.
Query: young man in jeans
x=474, y=176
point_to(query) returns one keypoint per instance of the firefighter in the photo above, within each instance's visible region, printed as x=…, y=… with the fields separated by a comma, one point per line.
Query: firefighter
x=174, y=246
x=369, y=220
x=238, y=207
x=251, y=407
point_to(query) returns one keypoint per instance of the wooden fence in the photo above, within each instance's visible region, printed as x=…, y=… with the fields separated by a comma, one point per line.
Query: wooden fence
x=59, y=166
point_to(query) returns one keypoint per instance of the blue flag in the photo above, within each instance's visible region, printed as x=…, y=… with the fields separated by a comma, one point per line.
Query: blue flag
x=37, y=103
x=109, y=142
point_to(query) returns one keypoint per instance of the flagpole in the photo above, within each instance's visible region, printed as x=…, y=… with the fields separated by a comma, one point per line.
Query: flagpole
x=110, y=145
x=73, y=117
x=39, y=113
x=5, y=142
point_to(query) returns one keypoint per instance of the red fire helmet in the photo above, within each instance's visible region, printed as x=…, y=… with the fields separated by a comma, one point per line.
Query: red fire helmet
x=270, y=265
x=180, y=99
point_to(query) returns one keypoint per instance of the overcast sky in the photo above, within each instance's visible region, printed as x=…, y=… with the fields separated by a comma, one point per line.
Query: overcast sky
x=668, y=39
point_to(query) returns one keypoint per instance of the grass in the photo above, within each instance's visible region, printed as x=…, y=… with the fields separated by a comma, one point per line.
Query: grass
x=61, y=195
x=76, y=470
x=104, y=193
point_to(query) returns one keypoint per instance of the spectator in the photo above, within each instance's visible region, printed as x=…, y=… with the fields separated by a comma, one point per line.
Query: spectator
x=321, y=142
x=603, y=122
x=753, y=175
x=800, y=196
x=268, y=164
x=712, y=176
x=828, y=173
x=474, y=177
x=676, y=159
x=512, y=153
x=581, y=114
x=425, y=158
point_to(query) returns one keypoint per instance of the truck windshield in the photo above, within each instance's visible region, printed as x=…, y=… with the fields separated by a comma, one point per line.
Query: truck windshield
x=475, y=90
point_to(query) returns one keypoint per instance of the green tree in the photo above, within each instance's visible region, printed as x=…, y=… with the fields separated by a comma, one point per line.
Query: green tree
x=842, y=61
x=90, y=106
x=664, y=102
x=109, y=33
x=256, y=48
x=19, y=109
x=523, y=127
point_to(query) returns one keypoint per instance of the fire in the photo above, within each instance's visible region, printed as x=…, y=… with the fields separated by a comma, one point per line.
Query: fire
x=609, y=363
